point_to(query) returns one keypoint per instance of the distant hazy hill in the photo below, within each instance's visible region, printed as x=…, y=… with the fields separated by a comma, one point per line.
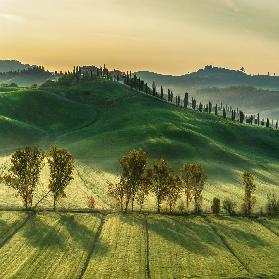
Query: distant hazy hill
x=14, y=72
x=212, y=76
x=257, y=93
x=12, y=65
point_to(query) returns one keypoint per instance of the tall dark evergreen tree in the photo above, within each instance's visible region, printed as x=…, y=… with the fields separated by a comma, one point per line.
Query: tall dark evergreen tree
x=186, y=100
x=209, y=107
x=224, y=113
x=162, y=92
x=194, y=104
x=267, y=123
x=200, y=107
x=241, y=116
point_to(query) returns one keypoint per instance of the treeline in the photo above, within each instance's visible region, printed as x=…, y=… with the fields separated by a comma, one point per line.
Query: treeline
x=25, y=171
x=140, y=178
x=226, y=111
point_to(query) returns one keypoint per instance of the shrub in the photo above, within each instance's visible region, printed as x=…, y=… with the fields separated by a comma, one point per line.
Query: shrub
x=272, y=206
x=216, y=206
x=91, y=203
x=229, y=206
x=181, y=206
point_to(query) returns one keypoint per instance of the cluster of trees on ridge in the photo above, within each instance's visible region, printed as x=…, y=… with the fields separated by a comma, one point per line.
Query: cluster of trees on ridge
x=137, y=180
x=24, y=173
x=223, y=110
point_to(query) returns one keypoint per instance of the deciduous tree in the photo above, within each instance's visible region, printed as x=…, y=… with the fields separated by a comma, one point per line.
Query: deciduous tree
x=249, y=188
x=133, y=168
x=194, y=177
x=24, y=174
x=61, y=164
x=160, y=182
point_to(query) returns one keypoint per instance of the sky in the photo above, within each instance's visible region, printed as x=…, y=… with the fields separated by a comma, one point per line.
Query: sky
x=166, y=36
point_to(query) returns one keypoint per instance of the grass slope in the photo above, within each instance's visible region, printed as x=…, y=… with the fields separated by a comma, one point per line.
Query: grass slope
x=56, y=245
x=49, y=246
x=100, y=121
x=188, y=248
x=9, y=222
x=254, y=244
x=120, y=252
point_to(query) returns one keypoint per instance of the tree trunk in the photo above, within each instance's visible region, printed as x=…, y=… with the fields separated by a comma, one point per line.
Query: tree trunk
x=158, y=206
x=127, y=204
x=54, y=203
x=133, y=199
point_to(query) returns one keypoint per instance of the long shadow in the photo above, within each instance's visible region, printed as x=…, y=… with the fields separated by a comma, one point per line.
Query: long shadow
x=41, y=235
x=248, y=238
x=189, y=235
x=10, y=230
x=82, y=234
x=92, y=248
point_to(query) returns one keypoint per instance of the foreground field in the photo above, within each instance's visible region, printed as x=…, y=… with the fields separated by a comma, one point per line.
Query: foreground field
x=75, y=245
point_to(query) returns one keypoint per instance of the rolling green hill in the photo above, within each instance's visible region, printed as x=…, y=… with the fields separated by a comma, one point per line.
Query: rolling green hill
x=99, y=121
x=250, y=93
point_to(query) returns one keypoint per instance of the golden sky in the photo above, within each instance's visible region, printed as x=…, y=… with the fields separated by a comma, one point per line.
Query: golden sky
x=167, y=36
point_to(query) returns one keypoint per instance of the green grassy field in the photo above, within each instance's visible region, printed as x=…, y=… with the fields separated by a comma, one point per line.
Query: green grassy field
x=252, y=243
x=100, y=121
x=76, y=245
x=49, y=246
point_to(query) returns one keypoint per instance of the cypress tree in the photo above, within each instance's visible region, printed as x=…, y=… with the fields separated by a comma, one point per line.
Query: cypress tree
x=241, y=116
x=200, y=107
x=162, y=92
x=209, y=107
x=216, y=110
x=186, y=100
x=267, y=123
x=224, y=113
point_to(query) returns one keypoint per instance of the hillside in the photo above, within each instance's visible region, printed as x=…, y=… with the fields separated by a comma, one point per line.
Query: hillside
x=12, y=65
x=99, y=121
x=13, y=72
x=257, y=93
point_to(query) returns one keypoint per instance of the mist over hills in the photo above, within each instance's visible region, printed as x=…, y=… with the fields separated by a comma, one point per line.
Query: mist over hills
x=13, y=72
x=12, y=65
x=253, y=93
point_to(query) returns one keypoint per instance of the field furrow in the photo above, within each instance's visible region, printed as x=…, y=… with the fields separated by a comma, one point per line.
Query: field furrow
x=254, y=244
x=120, y=251
x=49, y=246
x=270, y=223
x=10, y=222
x=182, y=247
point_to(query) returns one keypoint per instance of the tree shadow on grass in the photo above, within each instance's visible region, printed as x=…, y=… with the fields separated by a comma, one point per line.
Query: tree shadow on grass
x=41, y=235
x=245, y=235
x=82, y=234
x=192, y=236
x=3, y=226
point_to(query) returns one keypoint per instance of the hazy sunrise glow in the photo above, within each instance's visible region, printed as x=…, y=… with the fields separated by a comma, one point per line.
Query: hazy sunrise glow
x=167, y=36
